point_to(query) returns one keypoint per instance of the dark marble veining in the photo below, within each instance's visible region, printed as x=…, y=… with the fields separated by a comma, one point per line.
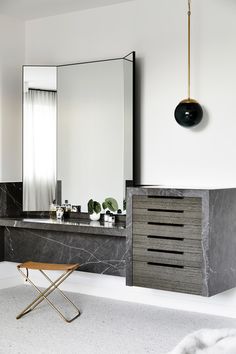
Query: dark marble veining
x=10, y=199
x=218, y=237
x=101, y=254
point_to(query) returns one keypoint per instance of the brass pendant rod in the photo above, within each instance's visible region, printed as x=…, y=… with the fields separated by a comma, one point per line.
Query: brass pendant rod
x=189, y=47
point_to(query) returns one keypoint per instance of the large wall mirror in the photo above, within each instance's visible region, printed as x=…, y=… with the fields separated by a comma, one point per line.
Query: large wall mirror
x=77, y=132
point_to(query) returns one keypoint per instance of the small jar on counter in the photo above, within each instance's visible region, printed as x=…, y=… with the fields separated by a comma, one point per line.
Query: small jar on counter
x=106, y=216
x=111, y=218
x=60, y=213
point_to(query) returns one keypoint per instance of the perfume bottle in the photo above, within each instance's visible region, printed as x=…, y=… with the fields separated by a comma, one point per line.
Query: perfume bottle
x=67, y=209
x=53, y=210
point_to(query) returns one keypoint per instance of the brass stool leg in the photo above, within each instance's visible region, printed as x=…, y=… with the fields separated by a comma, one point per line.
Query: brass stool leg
x=43, y=295
x=56, y=286
x=39, y=298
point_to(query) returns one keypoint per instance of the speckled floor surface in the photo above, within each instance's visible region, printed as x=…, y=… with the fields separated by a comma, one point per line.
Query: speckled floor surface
x=104, y=327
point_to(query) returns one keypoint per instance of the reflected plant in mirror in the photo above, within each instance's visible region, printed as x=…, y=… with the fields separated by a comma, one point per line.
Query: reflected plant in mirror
x=72, y=113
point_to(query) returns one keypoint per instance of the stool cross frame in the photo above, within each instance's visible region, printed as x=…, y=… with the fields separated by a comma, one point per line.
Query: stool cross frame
x=54, y=285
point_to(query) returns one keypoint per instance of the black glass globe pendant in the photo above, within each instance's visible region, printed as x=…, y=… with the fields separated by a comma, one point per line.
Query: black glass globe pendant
x=188, y=113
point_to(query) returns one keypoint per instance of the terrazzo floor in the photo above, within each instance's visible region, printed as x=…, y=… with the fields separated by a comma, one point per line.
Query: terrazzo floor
x=104, y=327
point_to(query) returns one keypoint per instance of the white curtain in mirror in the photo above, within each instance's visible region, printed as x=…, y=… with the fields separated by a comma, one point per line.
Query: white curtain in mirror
x=39, y=149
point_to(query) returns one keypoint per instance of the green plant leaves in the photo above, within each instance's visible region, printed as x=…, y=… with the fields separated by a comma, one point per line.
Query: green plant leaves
x=104, y=205
x=90, y=206
x=111, y=204
x=97, y=207
x=94, y=206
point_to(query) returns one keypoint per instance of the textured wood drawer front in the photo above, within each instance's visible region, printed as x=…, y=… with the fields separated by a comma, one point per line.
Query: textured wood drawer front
x=167, y=230
x=167, y=257
x=191, y=204
x=167, y=249
x=170, y=217
x=183, y=245
x=157, y=277
x=185, y=274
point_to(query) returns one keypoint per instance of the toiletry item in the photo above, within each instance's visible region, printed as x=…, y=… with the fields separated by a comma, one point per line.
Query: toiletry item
x=53, y=210
x=111, y=218
x=106, y=216
x=75, y=208
x=67, y=209
x=60, y=213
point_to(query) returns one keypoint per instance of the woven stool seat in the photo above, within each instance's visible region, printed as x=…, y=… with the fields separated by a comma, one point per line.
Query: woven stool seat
x=48, y=266
x=67, y=270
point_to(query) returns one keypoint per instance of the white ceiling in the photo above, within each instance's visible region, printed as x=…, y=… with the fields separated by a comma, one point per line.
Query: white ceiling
x=32, y=9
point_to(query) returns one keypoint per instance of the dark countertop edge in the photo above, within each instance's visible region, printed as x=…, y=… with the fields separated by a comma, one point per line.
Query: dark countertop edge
x=176, y=188
x=82, y=229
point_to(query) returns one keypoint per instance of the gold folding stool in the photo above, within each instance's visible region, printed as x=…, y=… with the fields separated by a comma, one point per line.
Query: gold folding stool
x=43, y=295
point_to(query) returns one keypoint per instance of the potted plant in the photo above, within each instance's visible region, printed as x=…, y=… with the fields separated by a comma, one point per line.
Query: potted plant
x=94, y=209
x=110, y=204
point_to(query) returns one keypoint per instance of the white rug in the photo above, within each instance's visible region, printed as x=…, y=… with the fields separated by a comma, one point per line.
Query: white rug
x=105, y=326
x=208, y=341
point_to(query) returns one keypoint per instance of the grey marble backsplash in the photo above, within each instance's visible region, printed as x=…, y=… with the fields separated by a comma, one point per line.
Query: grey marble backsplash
x=10, y=199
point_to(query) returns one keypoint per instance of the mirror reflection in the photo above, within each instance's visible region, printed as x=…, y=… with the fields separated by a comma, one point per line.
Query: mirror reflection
x=77, y=133
x=39, y=137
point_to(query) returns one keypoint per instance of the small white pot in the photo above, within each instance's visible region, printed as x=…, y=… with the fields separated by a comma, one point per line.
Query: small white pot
x=95, y=216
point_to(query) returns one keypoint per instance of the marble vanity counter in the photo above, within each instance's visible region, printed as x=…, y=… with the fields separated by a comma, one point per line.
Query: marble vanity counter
x=82, y=226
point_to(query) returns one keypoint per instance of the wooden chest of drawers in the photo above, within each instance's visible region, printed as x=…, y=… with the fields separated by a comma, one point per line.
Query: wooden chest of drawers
x=170, y=235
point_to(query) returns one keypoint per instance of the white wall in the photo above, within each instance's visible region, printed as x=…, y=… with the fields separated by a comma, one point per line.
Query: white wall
x=12, y=36
x=156, y=30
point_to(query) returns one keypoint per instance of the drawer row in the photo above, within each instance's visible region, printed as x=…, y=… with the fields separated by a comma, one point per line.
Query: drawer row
x=166, y=278
x=185, y=204
x=167, y=250
x=179, y=252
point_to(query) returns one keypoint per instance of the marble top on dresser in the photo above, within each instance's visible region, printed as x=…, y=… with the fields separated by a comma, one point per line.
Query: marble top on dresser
x=70, y=225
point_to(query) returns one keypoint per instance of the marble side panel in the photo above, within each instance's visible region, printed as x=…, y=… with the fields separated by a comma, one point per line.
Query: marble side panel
x=101, y=254
x=222, y=241
x=1, y=244
x=11, y=199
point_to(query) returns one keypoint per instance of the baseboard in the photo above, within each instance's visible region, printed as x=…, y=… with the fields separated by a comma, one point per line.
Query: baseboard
x=112, y=287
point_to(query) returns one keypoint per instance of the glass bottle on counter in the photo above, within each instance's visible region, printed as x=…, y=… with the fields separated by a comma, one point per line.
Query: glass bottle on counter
x=67, y=209
x=53, y=210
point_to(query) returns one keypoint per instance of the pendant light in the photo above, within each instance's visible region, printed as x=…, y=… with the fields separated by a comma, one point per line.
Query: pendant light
x=188, y=113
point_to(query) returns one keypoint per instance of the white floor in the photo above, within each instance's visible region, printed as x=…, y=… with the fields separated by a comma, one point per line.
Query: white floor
x=113, y=287
x=105, y=326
